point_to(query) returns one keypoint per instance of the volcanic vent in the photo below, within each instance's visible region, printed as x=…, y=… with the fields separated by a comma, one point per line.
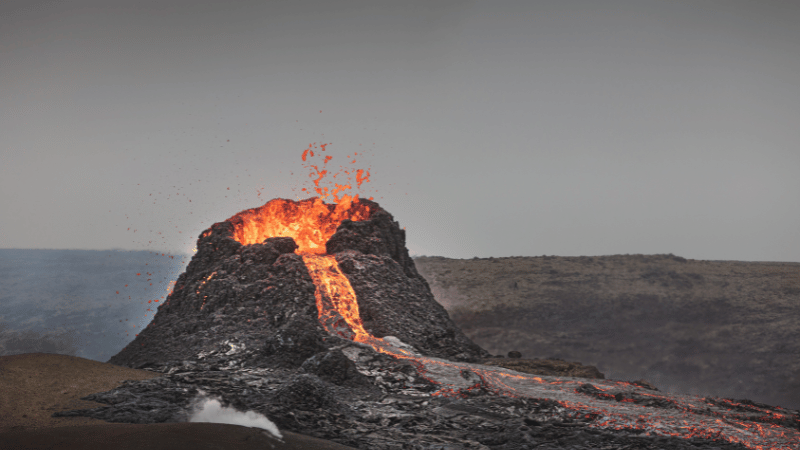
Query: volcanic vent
x=289, y=279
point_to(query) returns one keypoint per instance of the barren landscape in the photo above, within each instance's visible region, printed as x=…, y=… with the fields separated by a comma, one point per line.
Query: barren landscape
x=346, y=342
x=722, y=328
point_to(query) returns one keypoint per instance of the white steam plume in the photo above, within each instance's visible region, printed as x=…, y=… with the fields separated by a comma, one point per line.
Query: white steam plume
x=211, y=410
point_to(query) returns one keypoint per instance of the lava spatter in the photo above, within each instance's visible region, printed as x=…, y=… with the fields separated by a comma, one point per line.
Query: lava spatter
x=331, y=193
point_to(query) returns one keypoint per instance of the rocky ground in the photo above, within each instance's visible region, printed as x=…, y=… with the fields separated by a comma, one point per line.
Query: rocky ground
x=374, y=402
x=722, y=328
x=549, y=367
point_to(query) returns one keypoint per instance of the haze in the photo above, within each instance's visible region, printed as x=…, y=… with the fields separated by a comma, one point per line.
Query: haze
x=490, y=128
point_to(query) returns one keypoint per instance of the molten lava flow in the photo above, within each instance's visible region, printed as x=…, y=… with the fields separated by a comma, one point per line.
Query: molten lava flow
x=336, y=301
x=337, y=305
x=309, y=222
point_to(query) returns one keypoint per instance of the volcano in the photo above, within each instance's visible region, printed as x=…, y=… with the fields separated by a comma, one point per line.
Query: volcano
x=304, y=272
x=314, y=315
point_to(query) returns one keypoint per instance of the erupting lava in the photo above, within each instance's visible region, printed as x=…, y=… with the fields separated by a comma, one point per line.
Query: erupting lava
x=311, y=223
x=608, y=404
x=336, y=301
x=256, y=291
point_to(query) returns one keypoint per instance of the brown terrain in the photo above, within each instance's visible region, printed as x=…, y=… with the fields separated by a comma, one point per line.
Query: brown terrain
x=35, y=385
x=720, y=328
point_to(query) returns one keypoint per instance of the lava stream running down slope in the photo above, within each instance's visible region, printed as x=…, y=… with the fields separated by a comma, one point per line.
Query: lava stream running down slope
x=311, y=223
x=608, y=404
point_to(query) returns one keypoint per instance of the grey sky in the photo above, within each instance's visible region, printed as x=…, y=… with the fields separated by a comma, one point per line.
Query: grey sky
x=491, y=128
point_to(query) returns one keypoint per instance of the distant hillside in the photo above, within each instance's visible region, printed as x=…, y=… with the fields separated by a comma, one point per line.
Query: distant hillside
x=724, y=328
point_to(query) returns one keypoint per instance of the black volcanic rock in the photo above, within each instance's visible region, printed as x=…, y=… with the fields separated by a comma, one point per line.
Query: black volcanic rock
x=306, y=392
x=550, y=367
x=380, y=414
x=332, y=366
x=252, y=293
x=391, y=303
x=294, y=342
x=379, y=235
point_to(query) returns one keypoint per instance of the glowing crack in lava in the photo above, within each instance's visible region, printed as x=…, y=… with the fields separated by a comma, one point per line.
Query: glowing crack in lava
x=609, y=404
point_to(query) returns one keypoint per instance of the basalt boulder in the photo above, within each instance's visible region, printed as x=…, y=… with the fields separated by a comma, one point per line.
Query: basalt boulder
x=332, y=366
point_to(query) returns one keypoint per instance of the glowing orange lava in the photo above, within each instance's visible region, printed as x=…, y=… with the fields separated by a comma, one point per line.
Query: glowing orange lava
x=336, y=300
x=332, y=193
x=309, y=222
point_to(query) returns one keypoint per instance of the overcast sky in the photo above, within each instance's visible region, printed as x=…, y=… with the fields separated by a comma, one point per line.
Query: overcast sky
x=490, y=128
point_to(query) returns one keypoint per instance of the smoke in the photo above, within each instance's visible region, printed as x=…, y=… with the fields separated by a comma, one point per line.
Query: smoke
x=208, y=409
